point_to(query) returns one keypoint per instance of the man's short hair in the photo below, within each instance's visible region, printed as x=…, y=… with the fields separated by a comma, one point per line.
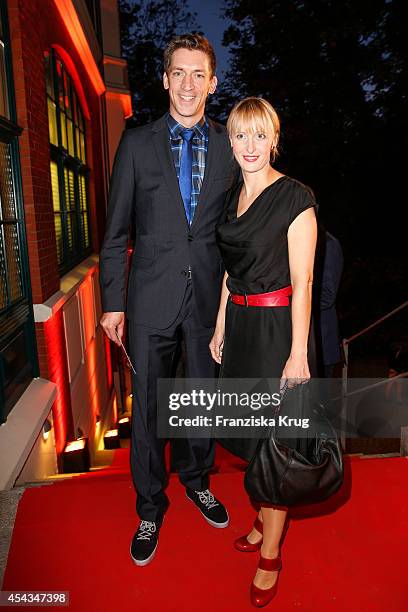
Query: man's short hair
x=193, y=42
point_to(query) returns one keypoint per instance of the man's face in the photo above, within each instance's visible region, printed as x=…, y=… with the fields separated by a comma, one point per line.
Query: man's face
x=189, y=82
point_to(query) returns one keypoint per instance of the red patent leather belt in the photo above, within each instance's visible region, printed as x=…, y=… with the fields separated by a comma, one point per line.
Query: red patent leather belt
x=280, y=297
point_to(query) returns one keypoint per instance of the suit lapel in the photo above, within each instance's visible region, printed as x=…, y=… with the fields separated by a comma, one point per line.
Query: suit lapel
x=215, y=146
x=161, y=141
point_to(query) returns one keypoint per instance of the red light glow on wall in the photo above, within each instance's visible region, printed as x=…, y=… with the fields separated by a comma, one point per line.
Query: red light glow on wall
x=73, y=73
x=58, y=373
x=88, y=309
x=94, y=343
x=70, y=19
x=125, y=101
x=114, y=410
x=108, y=361
x=88, y=312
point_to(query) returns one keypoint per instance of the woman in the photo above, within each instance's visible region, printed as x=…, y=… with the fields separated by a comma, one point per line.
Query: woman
x=267, y=241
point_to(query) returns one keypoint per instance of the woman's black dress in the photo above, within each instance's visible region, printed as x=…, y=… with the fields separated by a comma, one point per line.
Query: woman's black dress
x=254, y=248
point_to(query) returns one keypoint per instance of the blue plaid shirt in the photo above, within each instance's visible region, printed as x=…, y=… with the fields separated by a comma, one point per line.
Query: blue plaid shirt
x=200, y=149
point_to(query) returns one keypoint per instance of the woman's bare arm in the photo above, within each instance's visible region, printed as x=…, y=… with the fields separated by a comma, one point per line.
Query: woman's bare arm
x=217, y=340
x=302, y=235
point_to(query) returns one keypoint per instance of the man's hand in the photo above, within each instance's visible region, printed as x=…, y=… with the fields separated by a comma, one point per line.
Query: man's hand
x=111, y=323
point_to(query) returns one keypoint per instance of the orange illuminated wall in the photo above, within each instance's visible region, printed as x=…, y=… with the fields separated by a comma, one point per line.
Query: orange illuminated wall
x=55, y=343
x=108, y=361
x=58, y=373
x=74, y=29
x=73, y=73
x=115, y=410
x=88, y=312
x=87, y=302
x=125, y=101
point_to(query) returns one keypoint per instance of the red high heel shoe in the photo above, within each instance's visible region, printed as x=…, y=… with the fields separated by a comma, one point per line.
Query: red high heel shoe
x=261, y=597
x=242, y=543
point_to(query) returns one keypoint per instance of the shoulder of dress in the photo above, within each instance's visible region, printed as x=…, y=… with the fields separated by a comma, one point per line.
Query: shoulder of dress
x=299, y=187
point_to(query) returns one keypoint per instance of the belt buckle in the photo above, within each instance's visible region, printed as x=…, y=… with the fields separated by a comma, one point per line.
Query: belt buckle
x=245, y=300
x=189, y=273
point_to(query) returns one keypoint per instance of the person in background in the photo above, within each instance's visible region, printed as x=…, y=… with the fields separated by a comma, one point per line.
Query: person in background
x=327, y=276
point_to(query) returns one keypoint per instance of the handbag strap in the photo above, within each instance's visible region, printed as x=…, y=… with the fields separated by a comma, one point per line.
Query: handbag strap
x=282, y=393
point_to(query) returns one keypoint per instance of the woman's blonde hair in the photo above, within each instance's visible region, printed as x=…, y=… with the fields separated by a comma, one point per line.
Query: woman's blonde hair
x=254, y=114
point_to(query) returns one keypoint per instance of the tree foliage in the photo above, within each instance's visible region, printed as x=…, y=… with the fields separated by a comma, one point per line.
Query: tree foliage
x=146, y=27
x=327, y=65
x=334, y=71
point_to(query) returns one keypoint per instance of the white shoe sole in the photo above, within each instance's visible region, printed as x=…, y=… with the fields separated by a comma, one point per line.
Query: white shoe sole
x=145, y=561
x=209, y=521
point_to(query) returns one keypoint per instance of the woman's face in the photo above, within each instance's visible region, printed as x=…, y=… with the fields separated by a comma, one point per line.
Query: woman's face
x=252, y=150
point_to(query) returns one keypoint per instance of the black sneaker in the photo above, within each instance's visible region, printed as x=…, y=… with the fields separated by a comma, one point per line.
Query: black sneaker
x=211, y=508
x=144, y=543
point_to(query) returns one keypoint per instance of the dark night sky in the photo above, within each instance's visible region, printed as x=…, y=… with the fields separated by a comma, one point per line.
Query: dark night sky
x=213, y=26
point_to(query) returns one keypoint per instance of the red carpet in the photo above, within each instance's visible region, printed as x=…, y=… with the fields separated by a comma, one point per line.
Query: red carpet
x=74, y=535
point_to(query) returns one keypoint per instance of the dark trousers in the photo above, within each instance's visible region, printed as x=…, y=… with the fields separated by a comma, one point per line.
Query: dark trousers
x=153, y=352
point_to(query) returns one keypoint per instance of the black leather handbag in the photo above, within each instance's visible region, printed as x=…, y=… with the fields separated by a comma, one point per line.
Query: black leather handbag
x=293, y=466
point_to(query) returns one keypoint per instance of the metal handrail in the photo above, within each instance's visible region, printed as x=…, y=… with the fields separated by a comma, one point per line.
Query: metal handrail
x=346, y=342
x=366, y=329
x=385, y=381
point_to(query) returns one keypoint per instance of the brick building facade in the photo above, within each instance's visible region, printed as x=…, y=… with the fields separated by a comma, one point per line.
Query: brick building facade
x=64, y=88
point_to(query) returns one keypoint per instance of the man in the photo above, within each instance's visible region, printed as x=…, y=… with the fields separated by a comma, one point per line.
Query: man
x=170, y=177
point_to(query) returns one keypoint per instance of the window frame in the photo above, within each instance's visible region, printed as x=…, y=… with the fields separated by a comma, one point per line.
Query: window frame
x=17, y=316
x=64, y=160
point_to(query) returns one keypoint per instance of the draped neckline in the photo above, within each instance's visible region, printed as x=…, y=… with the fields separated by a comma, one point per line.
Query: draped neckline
x=258, y=197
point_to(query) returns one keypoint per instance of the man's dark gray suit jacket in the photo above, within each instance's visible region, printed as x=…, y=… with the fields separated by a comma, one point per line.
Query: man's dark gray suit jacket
x=144, y=188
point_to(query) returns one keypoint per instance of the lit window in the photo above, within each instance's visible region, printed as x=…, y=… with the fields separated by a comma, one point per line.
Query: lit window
x=18, y=363
x=68, y=165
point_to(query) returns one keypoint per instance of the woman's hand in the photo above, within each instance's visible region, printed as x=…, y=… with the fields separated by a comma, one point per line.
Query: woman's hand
x=216, y=344
x=296, y=371
x=217, y=341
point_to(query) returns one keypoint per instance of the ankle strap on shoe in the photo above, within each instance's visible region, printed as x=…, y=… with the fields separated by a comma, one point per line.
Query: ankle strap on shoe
x=270, y=565
x=258, y=525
